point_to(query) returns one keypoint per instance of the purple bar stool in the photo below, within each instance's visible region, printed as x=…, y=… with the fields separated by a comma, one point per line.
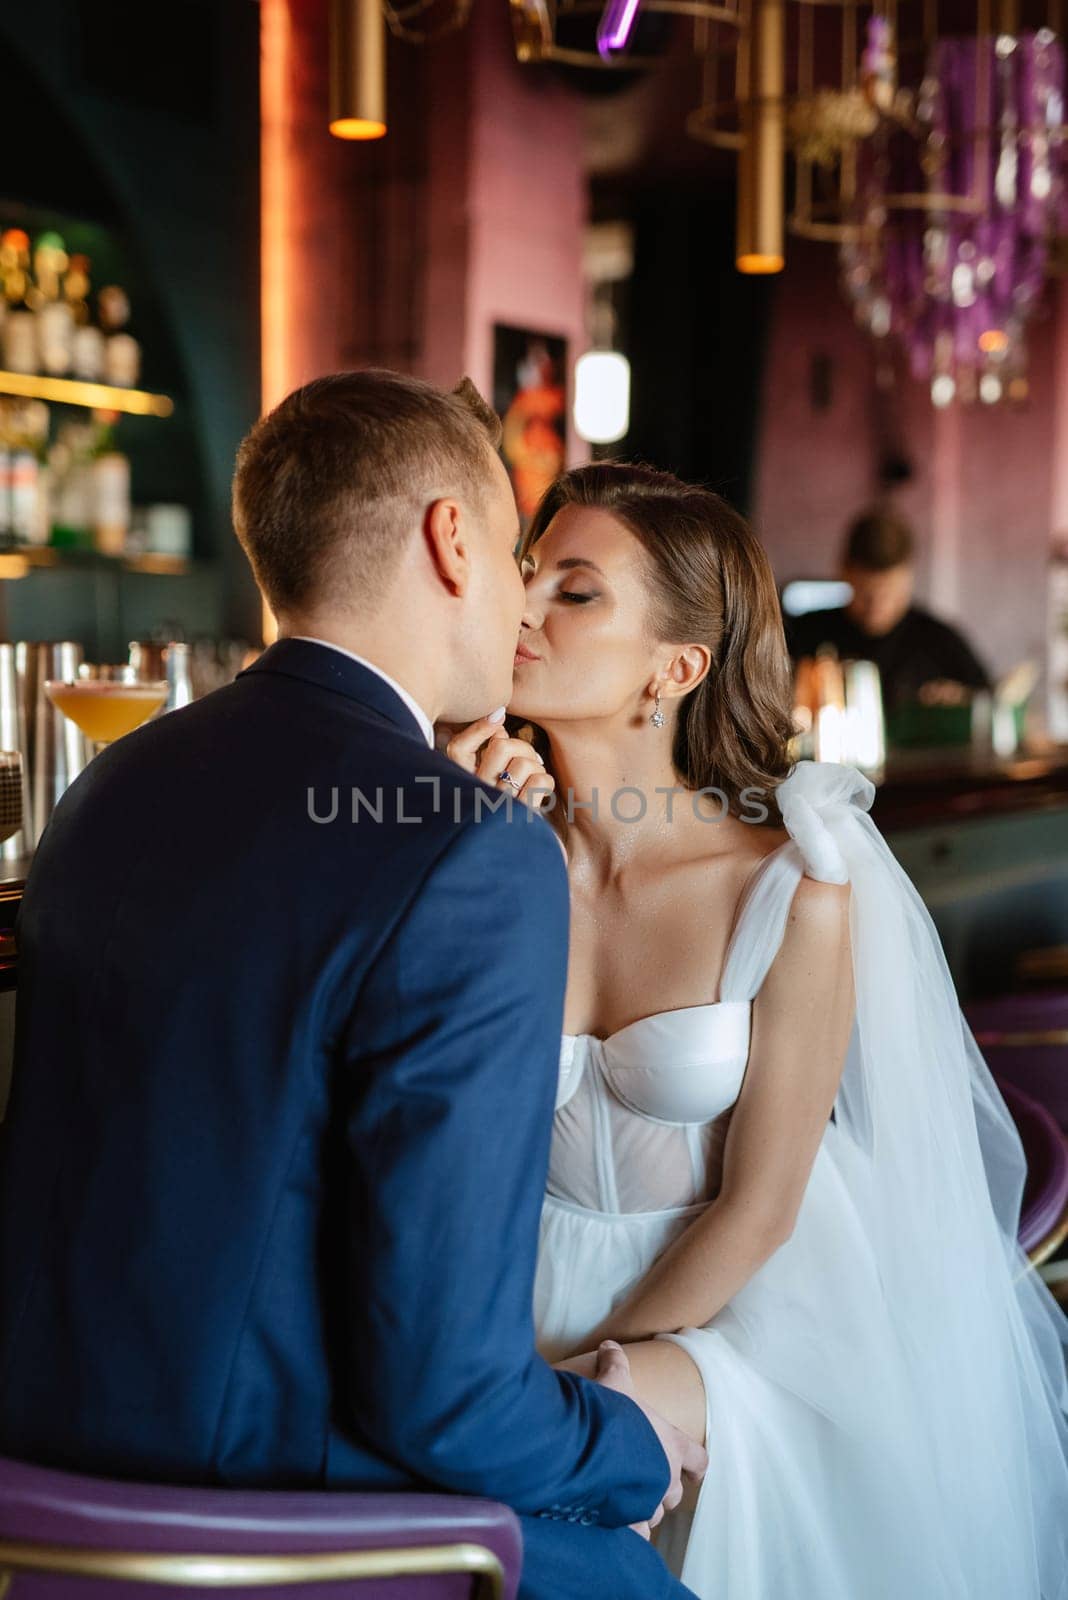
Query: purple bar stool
x=1024, y=1038
x=64, y=1537
x=1044, y=1214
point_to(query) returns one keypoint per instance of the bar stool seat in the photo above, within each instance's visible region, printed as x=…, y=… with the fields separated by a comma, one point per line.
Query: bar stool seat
x=69, y=1537
x=1024, y=1039
x=1044, y=1214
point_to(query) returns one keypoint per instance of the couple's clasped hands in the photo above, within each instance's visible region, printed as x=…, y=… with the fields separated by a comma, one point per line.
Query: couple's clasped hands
x=609, y=1366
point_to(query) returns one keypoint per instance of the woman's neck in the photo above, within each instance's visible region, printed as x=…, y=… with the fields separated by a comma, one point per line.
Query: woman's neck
x=619, y=798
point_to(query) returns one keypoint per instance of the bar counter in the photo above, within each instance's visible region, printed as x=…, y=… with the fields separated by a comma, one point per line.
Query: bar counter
x=928, y=786
x=985, y=841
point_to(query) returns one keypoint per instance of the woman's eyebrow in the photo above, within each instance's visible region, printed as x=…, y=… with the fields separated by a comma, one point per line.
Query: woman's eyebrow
x=580, y=561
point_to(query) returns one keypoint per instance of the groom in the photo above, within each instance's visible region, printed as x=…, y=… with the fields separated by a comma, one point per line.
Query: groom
x=288, y=1024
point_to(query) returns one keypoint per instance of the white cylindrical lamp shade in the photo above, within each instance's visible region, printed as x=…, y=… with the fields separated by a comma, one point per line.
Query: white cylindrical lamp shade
x=602, y=396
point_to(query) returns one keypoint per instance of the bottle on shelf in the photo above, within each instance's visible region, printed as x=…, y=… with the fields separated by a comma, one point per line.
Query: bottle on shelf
x=122, y=353
x=7, y=537
x=24, y=510
x=71, y=461
x=55, y=314
x=87, y=339
x=25, y=496
x=20, y=324
x=111, y=507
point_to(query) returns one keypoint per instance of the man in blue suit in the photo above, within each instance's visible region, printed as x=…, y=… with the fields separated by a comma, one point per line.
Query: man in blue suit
x=288, y=1026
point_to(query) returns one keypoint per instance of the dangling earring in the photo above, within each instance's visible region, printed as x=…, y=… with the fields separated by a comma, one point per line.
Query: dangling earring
x=657, y=718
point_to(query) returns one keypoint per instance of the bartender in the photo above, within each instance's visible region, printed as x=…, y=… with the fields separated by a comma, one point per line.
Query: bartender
x=919, y=657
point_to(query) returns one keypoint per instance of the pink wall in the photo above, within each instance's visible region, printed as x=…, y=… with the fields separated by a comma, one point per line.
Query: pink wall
x=508, y=204
x=404, y=253
x=982, y=495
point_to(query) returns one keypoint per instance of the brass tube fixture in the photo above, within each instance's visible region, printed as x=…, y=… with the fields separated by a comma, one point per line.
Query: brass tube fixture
x=759, y=246
x=357, y=69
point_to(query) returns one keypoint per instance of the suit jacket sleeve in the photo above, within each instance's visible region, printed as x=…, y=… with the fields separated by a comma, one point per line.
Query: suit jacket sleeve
x=450, y=1069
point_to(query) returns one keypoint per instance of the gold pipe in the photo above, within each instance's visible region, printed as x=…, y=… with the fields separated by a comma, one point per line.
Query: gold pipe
x=197, y=1571
x=995, y=1039
x=357, y=69
x=759, y=244
x=1040, y=1253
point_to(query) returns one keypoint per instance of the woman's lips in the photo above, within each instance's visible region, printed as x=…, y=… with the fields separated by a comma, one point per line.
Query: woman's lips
x=523, y=654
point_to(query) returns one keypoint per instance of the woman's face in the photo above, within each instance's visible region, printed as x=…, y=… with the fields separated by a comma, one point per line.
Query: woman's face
x=584, y=646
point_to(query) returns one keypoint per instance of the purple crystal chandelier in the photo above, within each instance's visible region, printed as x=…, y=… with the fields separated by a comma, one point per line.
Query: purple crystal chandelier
x=959, y=191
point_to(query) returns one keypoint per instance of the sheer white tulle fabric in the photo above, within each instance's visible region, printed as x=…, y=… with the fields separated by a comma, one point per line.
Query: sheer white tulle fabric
x=887, y=1403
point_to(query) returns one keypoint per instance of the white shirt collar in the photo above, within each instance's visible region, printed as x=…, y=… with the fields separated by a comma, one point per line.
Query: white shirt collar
x=413, y=705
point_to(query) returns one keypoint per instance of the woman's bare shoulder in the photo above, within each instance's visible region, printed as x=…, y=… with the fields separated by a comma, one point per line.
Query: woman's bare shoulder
x=743, y=845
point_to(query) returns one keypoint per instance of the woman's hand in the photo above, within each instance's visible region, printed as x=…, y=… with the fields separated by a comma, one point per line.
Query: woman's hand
x=665, y=1378
x=685, y=1453
x=485, y=749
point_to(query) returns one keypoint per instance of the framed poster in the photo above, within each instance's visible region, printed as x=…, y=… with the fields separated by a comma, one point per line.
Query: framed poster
x=530, y=397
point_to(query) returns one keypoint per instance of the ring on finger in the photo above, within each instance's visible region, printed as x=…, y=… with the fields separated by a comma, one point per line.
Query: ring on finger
x=506, y=777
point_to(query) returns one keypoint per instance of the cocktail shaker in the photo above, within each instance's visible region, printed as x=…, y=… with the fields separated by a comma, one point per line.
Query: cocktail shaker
x=152, y=660
x=60, y=749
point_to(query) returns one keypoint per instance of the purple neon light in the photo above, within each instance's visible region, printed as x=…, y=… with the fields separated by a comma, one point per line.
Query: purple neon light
x=616, y=26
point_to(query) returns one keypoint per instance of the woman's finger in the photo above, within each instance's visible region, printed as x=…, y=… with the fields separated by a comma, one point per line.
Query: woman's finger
x=613, y=1368
x=496, y=754
x=537, y=791
x=464, y=746
x=672, y=1497
x=517, y=769
x=505, y=755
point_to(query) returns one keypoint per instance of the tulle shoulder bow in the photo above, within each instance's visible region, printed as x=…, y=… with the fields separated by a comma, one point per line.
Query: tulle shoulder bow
x=810, y=799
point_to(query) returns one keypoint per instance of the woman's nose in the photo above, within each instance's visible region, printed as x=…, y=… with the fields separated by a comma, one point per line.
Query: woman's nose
x=533, y=611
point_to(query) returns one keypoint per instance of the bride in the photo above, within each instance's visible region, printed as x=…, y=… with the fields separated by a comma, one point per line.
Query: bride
x=781, y=1175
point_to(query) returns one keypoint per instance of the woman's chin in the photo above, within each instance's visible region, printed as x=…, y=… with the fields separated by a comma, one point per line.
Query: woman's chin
x=521, y=705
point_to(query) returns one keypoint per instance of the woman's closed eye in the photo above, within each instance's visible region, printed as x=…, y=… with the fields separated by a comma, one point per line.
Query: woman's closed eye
x=529, y=570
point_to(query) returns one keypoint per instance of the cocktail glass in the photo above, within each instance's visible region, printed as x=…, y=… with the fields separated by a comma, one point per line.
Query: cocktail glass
x=107, y=701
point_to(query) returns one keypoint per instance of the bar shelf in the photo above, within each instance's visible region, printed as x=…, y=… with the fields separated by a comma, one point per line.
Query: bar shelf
x=90, y=396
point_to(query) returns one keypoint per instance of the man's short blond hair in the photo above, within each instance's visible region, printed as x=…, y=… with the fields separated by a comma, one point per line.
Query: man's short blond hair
x=329, y=484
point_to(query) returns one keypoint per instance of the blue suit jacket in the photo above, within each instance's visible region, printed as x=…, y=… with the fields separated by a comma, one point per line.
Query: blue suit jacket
x=273, y=1164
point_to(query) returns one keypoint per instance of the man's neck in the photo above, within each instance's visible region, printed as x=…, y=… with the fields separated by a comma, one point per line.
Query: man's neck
x=397, y=658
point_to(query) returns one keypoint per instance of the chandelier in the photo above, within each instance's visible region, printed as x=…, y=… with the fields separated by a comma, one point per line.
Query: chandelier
x=927, y=141
x=957, y=206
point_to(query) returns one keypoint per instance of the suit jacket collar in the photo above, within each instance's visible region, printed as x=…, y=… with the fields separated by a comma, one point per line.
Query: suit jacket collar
x=329, y=669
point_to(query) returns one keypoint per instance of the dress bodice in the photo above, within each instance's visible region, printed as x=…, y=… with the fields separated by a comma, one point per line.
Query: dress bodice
x=641, y=1116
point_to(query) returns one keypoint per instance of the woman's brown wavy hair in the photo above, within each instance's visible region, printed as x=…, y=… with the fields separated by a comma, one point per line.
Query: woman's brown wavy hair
x=712, y=585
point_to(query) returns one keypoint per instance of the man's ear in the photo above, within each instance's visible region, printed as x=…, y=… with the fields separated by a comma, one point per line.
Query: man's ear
x=447, y=544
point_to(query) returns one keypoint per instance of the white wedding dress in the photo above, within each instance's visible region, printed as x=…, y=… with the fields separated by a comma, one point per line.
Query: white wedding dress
x=886, y=1396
